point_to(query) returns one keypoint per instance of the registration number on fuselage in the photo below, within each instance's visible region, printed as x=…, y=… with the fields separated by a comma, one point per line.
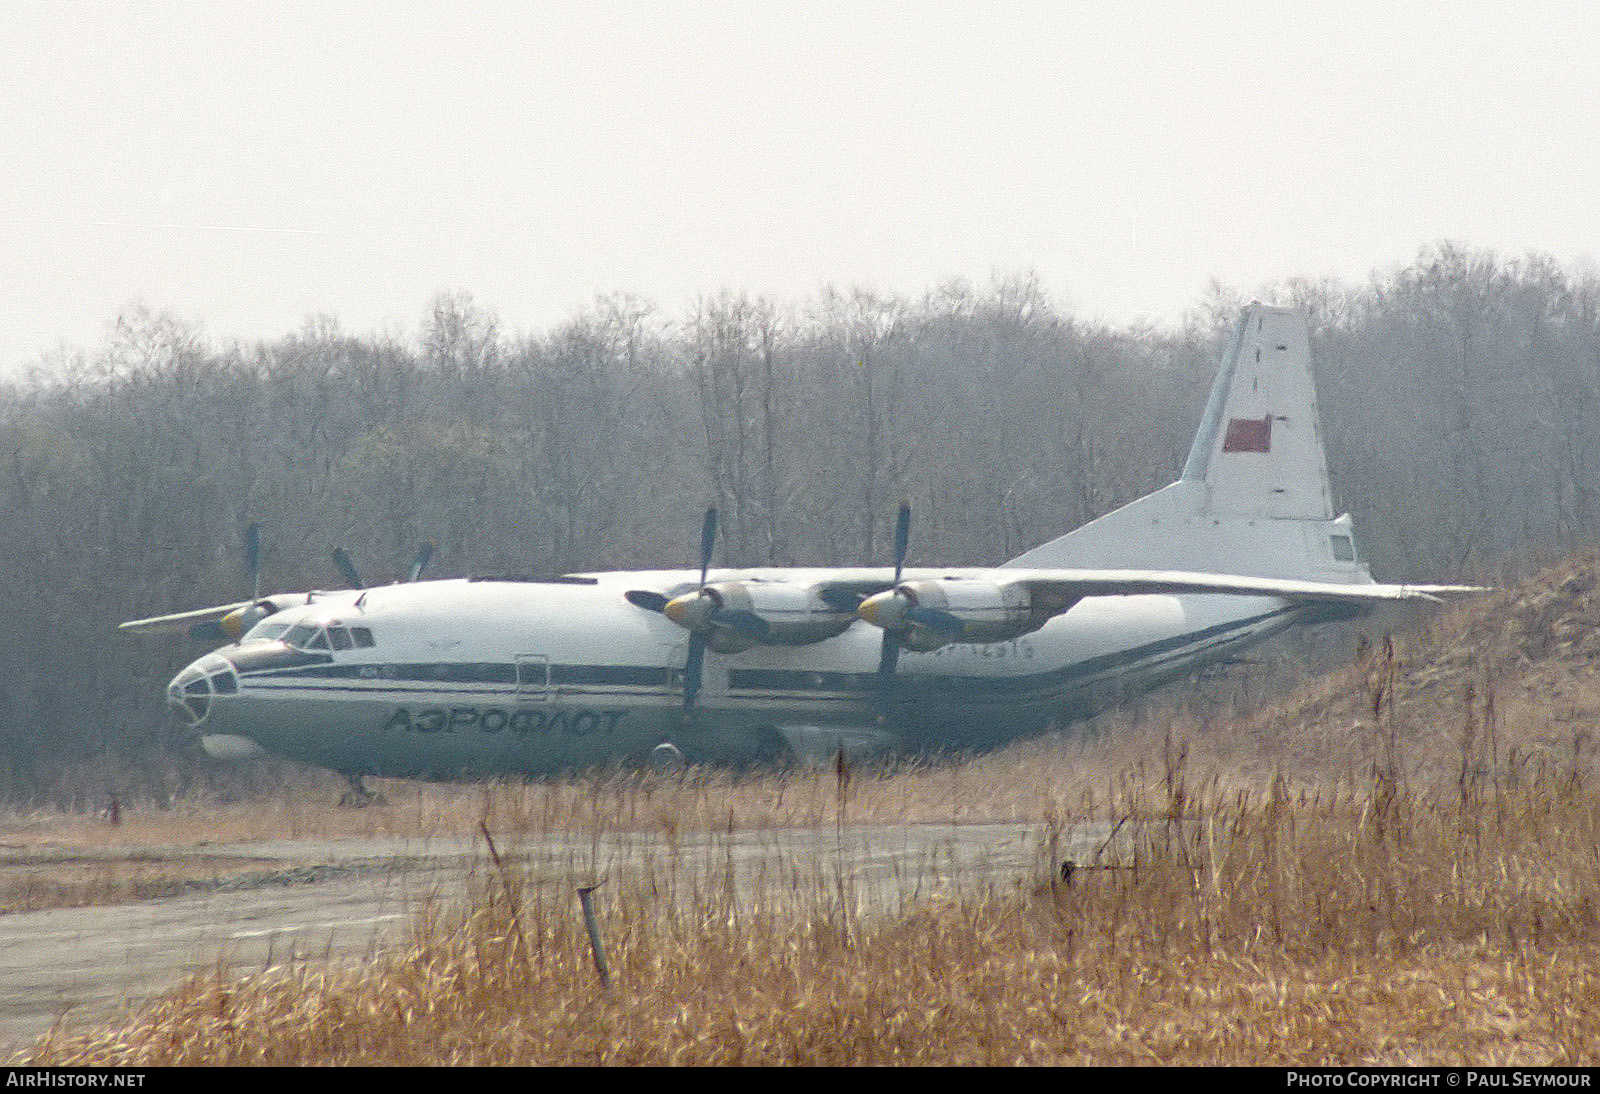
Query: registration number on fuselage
x=1018, y=648
x=523, y=721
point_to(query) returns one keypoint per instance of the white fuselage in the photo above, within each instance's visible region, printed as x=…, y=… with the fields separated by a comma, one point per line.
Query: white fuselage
x=476, y=677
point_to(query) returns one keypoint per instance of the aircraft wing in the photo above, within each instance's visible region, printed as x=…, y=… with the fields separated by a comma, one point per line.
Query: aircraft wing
x=180, y=622
x=846, y=584
x=1081, y=583
x=216, y=623
x=999, y=604
x=845, y=588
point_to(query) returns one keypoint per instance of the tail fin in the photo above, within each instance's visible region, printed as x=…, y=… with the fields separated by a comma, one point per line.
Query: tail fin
x=1254, y=497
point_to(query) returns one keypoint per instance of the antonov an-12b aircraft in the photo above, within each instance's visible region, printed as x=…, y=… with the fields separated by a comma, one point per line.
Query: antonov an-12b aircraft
x=482, y=676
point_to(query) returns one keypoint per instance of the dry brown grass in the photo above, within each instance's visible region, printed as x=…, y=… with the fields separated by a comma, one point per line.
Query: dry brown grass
x=1400, y=865
x=1308, y=926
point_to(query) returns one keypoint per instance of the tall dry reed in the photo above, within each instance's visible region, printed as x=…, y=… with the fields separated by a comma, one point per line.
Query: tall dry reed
x=1369, y=922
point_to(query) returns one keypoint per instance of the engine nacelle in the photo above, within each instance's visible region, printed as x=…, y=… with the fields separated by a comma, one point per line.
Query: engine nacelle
x=793, y=615
x=735, y=615
x=237, y=623
x=924, y=615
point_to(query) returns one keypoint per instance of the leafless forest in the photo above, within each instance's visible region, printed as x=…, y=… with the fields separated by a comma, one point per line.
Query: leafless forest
x=1460, y=396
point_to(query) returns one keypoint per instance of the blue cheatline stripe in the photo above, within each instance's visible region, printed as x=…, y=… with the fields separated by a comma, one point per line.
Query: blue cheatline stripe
x=491, y=678
x=473, y=672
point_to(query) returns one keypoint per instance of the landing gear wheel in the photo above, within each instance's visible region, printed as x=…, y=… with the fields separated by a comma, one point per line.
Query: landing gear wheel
x=357, y=795
x=668, y=758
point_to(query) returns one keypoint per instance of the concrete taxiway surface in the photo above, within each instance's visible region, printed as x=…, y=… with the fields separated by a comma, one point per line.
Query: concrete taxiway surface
x=339, y=900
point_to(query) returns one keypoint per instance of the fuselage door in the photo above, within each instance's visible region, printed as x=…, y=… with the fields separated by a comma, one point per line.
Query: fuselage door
x=672, y=657
x=533, y=676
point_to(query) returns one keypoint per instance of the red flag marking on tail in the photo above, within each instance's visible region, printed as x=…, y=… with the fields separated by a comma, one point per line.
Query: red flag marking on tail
x=1248, y=435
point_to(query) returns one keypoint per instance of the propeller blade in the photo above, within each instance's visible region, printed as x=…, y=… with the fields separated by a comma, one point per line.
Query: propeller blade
x=646, y=599
x=941, y=622
x=889, y=657
x=748, y=622
x=902, y=538
x=708, y=540
x=695, y=664
x=841, y=600
x=252, y=557
x=887, y=660
x=692, y=670
x=347, y=569
x=420, y=563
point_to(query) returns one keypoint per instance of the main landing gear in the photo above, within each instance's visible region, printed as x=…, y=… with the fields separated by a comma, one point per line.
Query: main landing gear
x=357, y=794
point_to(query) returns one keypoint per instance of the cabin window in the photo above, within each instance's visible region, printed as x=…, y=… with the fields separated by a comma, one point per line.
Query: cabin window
x=339, y=638
x=1344, y=548
x=363, y=638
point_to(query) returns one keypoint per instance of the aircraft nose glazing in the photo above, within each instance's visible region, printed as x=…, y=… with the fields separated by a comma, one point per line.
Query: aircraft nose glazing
x=192, y=690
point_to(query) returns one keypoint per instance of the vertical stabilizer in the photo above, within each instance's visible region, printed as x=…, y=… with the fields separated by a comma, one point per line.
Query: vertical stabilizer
x=1254, y=496
x=1259, y=449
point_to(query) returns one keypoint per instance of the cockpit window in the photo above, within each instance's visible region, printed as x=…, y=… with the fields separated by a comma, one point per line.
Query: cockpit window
x=267, y=630
x=333, y=636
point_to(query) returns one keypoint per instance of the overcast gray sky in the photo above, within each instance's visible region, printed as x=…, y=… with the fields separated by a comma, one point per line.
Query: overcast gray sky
x=245, y=165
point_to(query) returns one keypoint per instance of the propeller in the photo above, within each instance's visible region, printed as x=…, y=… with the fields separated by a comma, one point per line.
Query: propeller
x=347, y=569
x=897, y=610
x=225, y=628
x=648, y=599
x=704, y=605
x=700, y=613
x=352, y=576
x=230, y=622
x=889, y=657
x=252, y=557
x=706, y=615
x=420, y=563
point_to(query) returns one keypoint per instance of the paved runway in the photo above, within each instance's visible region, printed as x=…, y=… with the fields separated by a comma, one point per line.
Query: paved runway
x=338, y=900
